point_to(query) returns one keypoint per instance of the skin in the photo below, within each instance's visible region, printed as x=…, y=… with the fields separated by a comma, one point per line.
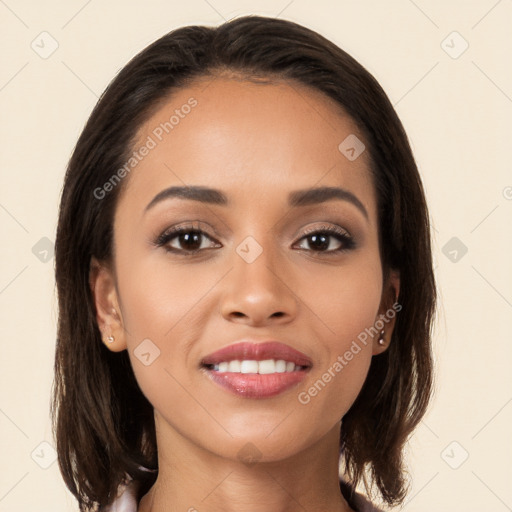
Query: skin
x=256, y=143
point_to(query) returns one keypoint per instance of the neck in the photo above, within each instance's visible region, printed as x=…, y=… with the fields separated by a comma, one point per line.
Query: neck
x=195, y=480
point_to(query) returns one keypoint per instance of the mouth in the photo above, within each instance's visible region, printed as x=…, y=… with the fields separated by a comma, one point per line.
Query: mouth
x=257, y=370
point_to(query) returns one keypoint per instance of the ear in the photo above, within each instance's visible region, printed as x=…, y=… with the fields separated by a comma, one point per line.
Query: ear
x=388, y=309
x=108, y=314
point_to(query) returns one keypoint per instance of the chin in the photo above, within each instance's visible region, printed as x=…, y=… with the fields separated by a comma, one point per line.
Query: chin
x=256, y=443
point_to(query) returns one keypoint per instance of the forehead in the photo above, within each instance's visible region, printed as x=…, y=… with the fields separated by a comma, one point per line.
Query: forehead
x=249, y=138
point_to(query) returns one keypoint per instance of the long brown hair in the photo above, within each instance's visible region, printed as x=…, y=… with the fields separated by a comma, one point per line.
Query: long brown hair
x=103, y=424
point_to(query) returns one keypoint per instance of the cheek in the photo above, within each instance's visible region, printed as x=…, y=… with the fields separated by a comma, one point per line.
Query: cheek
x=346, y=301
x=165, y=308
x=160, y=298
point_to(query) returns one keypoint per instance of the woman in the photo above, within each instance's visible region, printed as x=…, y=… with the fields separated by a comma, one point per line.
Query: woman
x=245, y=281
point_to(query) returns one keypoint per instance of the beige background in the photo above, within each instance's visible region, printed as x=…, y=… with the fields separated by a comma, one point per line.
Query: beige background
x=457, y=112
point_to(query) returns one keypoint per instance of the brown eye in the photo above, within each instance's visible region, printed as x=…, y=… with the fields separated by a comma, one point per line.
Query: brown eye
x=327, y=240
x=190, y=241
x=320, y=242
x=183, y=240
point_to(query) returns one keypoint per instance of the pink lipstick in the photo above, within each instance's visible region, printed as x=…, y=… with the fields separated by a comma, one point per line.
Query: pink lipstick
x=257, y=370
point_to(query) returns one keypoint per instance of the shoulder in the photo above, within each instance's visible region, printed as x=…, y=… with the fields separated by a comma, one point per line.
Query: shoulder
x=357, y=501
x=126, y=500
x=363, y=505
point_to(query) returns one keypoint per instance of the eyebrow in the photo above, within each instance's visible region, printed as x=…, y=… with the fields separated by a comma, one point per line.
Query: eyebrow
x=319, y=195
x=297, y=198
x=193, y=193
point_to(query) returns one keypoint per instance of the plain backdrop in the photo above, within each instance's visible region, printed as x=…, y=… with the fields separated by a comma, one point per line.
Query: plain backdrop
x=445, y=66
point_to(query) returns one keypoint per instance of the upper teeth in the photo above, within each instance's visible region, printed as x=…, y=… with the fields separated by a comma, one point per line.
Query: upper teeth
x=262, y=367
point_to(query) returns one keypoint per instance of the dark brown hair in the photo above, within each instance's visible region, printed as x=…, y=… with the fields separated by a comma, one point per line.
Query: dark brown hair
x=103, y=424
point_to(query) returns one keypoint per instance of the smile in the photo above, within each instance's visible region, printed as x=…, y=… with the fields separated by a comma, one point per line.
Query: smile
x=257, y=370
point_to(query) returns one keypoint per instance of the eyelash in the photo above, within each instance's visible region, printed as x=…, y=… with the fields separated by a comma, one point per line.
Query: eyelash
x=347, y=242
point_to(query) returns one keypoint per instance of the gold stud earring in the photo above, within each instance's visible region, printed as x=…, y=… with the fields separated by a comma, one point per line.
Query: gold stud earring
x=381, y=341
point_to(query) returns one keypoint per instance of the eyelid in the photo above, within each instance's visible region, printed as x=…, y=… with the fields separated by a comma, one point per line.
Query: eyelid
x=332, y=228
x=195, y=225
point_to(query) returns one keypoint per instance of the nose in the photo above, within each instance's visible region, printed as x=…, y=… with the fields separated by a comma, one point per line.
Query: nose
x=259, y=293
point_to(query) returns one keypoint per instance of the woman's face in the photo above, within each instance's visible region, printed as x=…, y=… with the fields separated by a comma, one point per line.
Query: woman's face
x=262, y=257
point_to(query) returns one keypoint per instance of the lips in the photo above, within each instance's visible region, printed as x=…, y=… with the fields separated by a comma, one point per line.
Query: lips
x=257, y=370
